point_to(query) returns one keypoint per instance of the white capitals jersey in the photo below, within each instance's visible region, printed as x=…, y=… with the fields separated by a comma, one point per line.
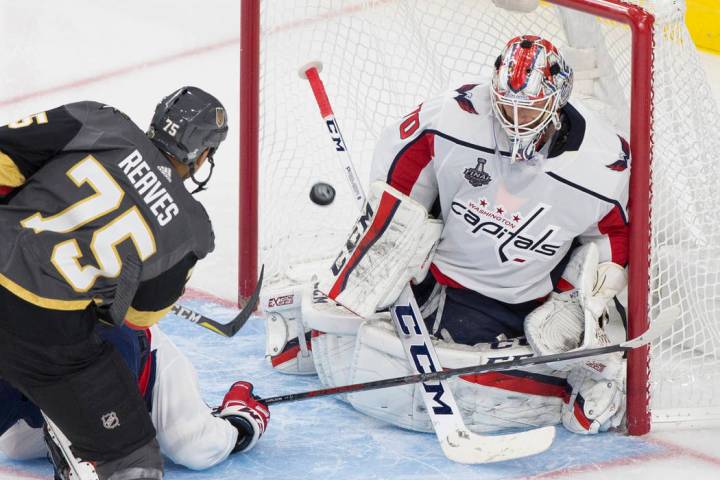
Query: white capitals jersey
x=508, y=226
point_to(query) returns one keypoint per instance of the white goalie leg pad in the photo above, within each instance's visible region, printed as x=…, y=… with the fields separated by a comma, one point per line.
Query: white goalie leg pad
x=333, y=355
x=597, y=401
x=379, y=354
x=23, y=442
x=287, y=338
x=390, y=244
x=334, y=329
x=484, y=402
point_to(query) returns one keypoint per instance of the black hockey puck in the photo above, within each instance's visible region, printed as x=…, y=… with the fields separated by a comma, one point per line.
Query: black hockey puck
x=322, y=193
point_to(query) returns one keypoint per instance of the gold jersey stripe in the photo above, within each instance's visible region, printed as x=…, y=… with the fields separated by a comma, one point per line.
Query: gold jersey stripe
x=10, y=175
x=49, y=303
x=139, y=319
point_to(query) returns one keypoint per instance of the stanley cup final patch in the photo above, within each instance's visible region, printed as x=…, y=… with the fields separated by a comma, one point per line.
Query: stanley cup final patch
x=477, y=176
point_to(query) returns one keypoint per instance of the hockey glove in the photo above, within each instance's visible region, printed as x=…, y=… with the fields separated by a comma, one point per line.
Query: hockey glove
x=575, y=318
x=241, y=408
x=597, y=399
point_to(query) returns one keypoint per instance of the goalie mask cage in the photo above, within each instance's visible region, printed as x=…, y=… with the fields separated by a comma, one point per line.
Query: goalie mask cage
x=634, y=62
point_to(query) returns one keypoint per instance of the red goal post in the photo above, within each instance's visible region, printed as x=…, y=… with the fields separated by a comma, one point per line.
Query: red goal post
x=640, y=22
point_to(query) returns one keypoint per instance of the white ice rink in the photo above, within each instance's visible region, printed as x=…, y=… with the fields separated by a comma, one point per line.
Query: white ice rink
x=129, y=54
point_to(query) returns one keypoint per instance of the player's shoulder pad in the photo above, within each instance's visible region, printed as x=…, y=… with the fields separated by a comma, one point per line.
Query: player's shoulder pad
x=102, y=117
x=206, y=238
x=85, y=108
x=595, y=157
x=471, y=98
x=466, y=114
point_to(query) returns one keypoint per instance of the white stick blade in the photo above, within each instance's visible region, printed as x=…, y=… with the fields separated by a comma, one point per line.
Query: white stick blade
x=659, y=326
x=466, y=447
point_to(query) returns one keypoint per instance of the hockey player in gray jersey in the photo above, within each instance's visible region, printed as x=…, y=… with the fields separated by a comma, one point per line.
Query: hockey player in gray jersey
x=530, y=240
x=99, y=227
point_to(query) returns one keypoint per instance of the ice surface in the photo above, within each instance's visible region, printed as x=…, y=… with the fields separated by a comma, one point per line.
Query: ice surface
x=326, y=439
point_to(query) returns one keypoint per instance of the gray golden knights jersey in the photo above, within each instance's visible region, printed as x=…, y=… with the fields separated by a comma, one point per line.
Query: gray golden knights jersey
x=508, y=227
x=97, y=208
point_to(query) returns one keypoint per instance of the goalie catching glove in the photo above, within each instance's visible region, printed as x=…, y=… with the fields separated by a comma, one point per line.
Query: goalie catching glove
x=241, y=408
x=571, y=320
x=391, y=243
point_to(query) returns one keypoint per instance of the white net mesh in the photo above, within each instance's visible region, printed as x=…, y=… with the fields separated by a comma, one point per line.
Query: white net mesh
x=685, y=260
x=381, y=58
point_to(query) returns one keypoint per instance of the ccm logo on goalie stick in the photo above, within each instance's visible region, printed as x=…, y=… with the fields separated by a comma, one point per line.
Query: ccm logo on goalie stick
x=421, y=357
x=358, y=230
x=336, y=135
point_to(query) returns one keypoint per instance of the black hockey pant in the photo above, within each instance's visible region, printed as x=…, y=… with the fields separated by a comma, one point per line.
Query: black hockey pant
x=80, y=381
x=469, y=317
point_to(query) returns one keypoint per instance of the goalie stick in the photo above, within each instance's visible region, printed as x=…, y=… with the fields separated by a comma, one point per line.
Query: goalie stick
x=659, y=326
x=225, y=329
x=456, y=440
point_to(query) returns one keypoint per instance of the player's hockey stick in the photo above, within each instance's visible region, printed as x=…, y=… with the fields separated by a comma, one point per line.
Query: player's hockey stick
x=659, y=326
x=456, y=440
x=226, y=329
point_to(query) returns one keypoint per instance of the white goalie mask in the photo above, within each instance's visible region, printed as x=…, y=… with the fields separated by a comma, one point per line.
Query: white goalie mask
x=531, y=83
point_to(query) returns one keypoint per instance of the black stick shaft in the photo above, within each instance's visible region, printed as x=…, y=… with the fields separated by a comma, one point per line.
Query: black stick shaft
x=432, y=376
x=225, y=329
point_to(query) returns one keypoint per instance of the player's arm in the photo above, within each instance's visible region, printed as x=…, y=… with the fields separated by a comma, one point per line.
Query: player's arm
x=594, y=275
x=29, y=143
x=405, y=152
x=610, y=234
x=610, y=229
x=155, y=297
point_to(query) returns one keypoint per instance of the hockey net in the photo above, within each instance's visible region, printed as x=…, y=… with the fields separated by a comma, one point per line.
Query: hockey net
x=381, y=58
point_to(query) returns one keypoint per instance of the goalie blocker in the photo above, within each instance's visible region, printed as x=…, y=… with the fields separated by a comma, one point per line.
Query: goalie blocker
x=391, y=244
